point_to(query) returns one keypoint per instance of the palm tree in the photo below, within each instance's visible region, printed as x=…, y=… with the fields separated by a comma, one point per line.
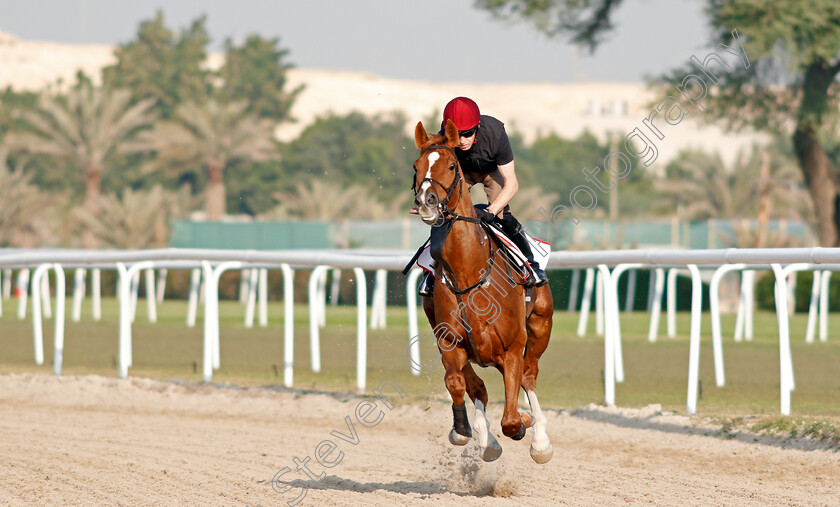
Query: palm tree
x=762, y=184
x=22, y=206
x=86, y=127
x=212, y=134
x=139, y=219
x=324, y=201
x=705, y=188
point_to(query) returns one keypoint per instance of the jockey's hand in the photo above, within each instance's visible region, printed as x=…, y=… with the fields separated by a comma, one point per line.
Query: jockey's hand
x=485, y=215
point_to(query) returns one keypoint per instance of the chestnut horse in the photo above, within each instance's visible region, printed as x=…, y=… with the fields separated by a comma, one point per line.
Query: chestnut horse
x=478, y=311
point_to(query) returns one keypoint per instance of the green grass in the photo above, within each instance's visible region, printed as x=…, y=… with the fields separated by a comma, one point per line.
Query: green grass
x=780, y=428
x=570, y=370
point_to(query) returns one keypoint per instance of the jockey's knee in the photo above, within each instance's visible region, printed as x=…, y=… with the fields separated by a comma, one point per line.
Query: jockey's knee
x=509, y=223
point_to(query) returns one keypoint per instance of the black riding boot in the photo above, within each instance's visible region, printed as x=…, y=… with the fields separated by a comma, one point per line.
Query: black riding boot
x=512, y=227
x=427, y=284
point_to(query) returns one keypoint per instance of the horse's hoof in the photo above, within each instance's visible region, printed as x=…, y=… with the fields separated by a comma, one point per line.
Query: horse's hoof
x=492, y=452
x=542, y=457
x=456, y=438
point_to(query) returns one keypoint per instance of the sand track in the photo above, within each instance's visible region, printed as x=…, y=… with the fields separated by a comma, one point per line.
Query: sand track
x=95, y=440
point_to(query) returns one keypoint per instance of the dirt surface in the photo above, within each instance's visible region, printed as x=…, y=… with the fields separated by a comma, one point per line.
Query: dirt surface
x=95, y=440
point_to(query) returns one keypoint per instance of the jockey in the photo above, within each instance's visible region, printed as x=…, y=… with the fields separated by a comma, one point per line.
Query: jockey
x=486, y=157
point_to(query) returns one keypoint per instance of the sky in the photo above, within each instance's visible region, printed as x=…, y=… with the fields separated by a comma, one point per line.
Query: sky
x=430, y=40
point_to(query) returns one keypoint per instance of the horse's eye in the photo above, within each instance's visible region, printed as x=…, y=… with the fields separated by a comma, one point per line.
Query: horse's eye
x=452, y=166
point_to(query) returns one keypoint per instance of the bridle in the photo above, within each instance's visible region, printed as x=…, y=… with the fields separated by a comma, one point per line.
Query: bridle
x=446, y=212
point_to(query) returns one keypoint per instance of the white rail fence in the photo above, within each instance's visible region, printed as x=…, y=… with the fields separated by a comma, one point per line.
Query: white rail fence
x=602, y=272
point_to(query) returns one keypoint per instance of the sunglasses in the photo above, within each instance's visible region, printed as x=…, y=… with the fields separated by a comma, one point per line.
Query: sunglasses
x=467, y=133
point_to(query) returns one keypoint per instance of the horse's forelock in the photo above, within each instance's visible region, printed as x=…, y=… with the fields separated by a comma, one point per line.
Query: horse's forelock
x=435, y=139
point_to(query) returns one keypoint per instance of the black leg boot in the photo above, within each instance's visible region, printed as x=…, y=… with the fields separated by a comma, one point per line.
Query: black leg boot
x=512, y=227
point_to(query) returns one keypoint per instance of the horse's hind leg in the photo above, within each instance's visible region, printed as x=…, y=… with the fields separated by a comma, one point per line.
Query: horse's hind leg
x=487, y=443
x=541, y=450
x=539, y=333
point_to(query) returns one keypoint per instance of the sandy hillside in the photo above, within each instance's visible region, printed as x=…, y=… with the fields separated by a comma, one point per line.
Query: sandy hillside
x=94, y=440
x=533, y=109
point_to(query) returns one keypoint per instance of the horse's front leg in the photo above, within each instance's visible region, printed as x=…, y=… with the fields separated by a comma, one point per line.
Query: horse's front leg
x=513, y=422
x=454, y=361
x=487, y=443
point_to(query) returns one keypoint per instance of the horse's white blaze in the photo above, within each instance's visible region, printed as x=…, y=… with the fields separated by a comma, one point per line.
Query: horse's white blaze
x=433, y=157
x=541, y=450
x=490, y=448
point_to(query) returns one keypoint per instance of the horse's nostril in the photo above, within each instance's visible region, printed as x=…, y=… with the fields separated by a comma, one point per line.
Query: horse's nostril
x=431, y=200
x=417, y=200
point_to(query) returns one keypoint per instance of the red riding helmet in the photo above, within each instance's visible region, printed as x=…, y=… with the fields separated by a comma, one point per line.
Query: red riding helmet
x=463, y=112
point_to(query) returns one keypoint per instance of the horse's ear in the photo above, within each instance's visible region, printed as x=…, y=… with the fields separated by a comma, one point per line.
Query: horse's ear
x=420, y=135
x=451, y=132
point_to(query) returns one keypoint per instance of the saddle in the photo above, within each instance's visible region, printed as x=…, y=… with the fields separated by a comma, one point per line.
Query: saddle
x=540, y=249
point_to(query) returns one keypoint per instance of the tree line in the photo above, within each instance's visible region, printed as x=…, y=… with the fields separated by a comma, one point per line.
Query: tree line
x=162, y=136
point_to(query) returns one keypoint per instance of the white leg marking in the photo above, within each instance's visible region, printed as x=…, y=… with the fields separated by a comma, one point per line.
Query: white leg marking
x=487, y=443
x=541, y=450
x=433, y=157
x=456, y=438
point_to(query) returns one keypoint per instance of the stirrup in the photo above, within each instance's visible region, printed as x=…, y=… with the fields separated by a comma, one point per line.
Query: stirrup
x=537, y=275
x=530, y=280
x=426, y=286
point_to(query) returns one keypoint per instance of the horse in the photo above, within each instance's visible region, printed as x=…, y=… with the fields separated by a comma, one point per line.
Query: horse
x=470, y=267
